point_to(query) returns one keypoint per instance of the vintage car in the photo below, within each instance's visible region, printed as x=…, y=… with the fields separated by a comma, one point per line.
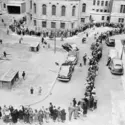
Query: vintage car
x=70, y=47
x=113, y=53
x=116, y=66
x=65, y=72
x=110, y=42
x=71, y=59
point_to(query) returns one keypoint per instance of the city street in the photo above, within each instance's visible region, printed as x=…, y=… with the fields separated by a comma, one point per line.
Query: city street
x=63, y=93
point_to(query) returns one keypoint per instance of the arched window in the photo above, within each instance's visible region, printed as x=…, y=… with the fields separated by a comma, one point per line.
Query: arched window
x=34, y=8
x=53, y=10
x=30, y=4
x=4, y=5
x=98, y=2
x=84, y=7
x=73, y=10
x=44, y=9
x=63, y=11
x=94, y=2
x=102, y=3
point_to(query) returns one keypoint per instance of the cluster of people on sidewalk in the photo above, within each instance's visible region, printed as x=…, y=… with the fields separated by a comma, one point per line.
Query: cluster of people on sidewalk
x=25, y=114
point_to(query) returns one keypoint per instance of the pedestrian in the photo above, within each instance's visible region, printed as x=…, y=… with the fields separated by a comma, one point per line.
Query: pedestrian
x=31, y=90
x=51, y=109
x=70, y=110
x=74, y=102
x=40, y=117
x=55, y=113
x=80, y=64
x=76, y=110
x=4, y=54
x=40, y=91
x=23, y=74
x=63, y=115
x=58, y=114
x=20, y=40
x=108, y=62
x=85, y=58
x=47, y=115
x=0, y=41
x=42, y=40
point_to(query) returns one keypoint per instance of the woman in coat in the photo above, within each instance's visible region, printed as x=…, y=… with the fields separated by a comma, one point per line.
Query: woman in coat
x=40, y=117
x=63, y=115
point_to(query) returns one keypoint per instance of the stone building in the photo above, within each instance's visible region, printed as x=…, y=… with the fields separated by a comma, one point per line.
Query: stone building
x=118, y=11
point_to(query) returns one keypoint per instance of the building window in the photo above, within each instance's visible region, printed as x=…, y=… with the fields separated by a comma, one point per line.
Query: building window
x=97, y=10
x=108, y=18
x=93, y=9
x=122, y=9
x=121, y=20
x=63, y=11
x=98, y=2
x=62, y=25
x=106, y=3
x=82, y=20
x=34, y=22
x=102, y=3
x=101, y=10
x=84, y=7
x=53, y=25
x=34, y=8
x=94, y=2
x=4, y=5
x=53, y=10
x=31, y=17
x=105, y=10
x=72, y=25
x=31, y=4
x=73, y=10
x=103, y=17
x=44, y=24
x=44, y=9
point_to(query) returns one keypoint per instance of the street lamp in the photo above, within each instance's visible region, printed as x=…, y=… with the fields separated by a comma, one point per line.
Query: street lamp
x=123, y=44
x=55, y=42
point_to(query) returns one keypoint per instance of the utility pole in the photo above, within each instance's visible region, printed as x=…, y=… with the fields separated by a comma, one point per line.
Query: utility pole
x=55, y=42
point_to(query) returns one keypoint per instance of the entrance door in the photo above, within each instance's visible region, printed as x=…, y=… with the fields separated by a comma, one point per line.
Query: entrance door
x=13, y=9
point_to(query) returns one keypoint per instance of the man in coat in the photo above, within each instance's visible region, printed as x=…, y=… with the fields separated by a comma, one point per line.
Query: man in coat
x=71, y=110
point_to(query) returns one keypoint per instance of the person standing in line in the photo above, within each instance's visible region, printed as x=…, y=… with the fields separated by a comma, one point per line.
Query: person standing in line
x=70, y=110
x=74, y=102
x=4, y=54
x=23, y=75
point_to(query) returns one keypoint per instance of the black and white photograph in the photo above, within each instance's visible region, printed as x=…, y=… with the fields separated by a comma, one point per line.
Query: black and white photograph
x=62, y=62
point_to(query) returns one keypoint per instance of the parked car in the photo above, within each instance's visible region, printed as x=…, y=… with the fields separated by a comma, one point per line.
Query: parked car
x=71, y=59
x=110, y=42
x=65, y=72
x=116, y=66
x=113, y=53
x=70, y=47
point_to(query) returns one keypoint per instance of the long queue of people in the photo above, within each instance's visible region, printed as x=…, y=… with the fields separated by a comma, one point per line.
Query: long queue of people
x=25, y=114
x=20, y=28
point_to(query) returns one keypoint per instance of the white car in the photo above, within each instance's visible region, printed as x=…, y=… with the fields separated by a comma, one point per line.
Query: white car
x=65, y=72
x=113, y=53
x=72, y=60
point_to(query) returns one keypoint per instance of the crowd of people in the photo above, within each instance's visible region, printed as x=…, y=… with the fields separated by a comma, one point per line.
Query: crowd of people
x=89, y=102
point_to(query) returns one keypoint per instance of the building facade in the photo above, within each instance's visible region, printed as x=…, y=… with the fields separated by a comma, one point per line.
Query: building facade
x=118, y=11
x=68, y=14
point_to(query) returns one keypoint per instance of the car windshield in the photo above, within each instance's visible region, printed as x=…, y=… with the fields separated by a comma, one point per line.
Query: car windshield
x=71, y=58
x=118, y=66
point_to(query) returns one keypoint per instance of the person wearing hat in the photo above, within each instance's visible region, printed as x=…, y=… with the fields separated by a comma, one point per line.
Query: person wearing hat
x=74, y=102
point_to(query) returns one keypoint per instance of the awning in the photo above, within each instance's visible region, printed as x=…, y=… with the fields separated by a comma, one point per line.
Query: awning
x=15, y=3
x=8, y=76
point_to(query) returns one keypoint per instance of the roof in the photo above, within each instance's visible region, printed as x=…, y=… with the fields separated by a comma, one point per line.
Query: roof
x=117, y=61
x=71, y=58
x=8, y=76
x=35, y=44
x=15, y=3
x=64, y=70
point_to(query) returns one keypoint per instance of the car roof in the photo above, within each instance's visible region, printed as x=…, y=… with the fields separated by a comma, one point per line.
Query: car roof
x=64, y=70
x=71, y=58
x=117, y=61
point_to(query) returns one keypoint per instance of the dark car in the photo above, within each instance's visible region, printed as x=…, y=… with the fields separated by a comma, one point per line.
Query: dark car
x=70, y=47
x=110, y=42
x=65, y=72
